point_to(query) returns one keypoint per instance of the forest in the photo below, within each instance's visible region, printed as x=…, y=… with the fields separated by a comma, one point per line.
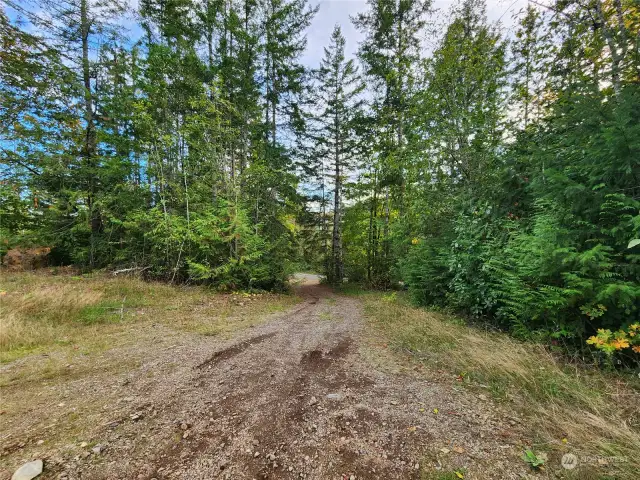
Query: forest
x=491, y=172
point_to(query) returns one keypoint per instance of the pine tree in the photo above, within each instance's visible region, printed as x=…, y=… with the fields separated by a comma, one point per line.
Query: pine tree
x=531, y=51
x=465, y=96
x=338, y=92
x=36, y=118
x=389, y=54
x=73, y=28
x=284, y=23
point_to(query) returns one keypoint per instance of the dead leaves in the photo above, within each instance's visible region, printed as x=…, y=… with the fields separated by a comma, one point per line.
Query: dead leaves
x=455, y=448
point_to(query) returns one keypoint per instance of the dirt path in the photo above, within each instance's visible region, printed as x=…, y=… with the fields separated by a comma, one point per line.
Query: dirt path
x=292, y=398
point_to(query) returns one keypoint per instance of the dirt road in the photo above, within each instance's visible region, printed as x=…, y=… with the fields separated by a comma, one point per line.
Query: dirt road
x=293, y=398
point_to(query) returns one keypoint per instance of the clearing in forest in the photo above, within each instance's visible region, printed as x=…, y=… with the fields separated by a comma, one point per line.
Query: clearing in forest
x=116, y=378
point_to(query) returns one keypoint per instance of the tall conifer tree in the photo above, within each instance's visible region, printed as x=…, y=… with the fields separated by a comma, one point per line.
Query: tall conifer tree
x=338, y=102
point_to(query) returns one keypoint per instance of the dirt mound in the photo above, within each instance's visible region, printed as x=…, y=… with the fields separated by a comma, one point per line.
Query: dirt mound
x=21, y=259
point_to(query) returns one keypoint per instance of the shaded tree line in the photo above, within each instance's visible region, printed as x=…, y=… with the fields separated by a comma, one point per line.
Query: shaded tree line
x=169, y=152
x=495, y=174
x=501, y=175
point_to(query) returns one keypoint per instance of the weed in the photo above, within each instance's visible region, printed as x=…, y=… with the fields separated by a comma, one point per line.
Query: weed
x=595, y=410
x=532, y=459
x=454, y=475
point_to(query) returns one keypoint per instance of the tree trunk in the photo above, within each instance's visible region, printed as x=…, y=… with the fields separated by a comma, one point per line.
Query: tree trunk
x=337, y=272
x=90, y=143
x=616, y=57
x=373, y=234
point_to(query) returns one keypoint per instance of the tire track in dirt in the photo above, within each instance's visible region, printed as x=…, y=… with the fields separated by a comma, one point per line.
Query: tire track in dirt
x=285, y=427
x=294, y=399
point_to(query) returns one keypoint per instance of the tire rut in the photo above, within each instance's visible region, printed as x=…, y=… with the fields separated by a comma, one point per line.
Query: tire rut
x=296, y=399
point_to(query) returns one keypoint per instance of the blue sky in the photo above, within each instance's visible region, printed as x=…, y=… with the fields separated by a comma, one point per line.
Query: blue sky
x=334, y=12
x=339, y=12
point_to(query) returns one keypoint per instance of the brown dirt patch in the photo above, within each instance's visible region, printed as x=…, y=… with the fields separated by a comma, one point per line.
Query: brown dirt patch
x=234, y=350
x=292, y=398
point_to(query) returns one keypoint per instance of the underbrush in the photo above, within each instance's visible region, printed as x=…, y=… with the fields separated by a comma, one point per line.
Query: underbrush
x=551, y=276
x=570, y=408
x=40, y=312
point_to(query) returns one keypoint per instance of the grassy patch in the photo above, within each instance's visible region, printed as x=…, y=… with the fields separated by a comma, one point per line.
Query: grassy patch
x=570, y=408
x=326, y=316
x=70, y=344
x=40, y=313
x=431, y=475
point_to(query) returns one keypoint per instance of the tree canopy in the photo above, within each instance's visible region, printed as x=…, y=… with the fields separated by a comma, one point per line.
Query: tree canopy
x=494, y=173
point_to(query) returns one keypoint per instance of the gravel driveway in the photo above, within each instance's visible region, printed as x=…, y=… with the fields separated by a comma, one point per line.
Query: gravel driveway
x=296, y=397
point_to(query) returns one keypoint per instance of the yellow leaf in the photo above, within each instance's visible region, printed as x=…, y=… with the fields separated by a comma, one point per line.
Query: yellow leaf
x=435, y=410
x=620, y=343
x=564, y=440
x=459, y=475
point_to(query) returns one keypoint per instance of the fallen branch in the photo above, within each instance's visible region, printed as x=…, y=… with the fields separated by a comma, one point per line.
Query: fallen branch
x=132, y=269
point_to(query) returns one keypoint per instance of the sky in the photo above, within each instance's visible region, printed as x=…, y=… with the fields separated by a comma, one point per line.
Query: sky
x=334, y=12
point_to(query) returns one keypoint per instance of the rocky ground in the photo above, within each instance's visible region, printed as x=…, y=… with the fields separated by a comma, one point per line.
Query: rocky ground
x=296, y=397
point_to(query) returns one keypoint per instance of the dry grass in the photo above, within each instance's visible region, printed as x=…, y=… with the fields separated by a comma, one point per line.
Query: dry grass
x=40, y=312
x=568, y=408
x=74, y=348
x=59, y=332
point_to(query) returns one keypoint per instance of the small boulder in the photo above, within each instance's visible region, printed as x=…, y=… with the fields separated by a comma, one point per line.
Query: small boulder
x=28, y=470
x=98, y=449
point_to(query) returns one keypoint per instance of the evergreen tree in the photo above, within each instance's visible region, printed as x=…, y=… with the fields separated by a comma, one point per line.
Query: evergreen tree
x=35, y=121
x=284, y=23
x=339, y=88
x=465, y=96
x=72, y=28
x=389, y=54
x=531, y=51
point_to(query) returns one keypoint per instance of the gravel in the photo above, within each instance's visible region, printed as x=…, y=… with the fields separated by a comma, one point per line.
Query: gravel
x=313, y=398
